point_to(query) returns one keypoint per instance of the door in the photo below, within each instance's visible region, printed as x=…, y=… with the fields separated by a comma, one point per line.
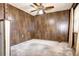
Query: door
x=2, y=38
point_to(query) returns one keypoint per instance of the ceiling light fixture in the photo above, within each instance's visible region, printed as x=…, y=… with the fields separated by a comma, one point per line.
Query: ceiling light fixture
x=41, y=12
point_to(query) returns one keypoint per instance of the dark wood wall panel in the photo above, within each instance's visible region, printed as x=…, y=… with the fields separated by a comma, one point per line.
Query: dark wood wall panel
x=52, y=26
x=1, y=11
x=20, y=25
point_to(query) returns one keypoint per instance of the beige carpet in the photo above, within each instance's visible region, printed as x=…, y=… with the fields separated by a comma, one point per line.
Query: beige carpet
x=37, y=47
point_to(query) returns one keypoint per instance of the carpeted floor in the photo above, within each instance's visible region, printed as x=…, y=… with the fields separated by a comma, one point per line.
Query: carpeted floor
x=37, y=47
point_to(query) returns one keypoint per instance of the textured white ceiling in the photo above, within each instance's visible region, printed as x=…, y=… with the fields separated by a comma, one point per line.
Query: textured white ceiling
x=57, y=7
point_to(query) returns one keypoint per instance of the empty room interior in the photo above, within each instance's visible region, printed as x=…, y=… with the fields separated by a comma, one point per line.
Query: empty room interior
x=39, y=29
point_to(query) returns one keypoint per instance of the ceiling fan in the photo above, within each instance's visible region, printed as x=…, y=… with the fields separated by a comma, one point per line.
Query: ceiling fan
x=39, y=7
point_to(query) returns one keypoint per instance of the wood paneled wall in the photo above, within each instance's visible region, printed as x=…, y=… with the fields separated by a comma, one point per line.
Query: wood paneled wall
x=1, y=11
x=52, y=26
x=20, y=23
